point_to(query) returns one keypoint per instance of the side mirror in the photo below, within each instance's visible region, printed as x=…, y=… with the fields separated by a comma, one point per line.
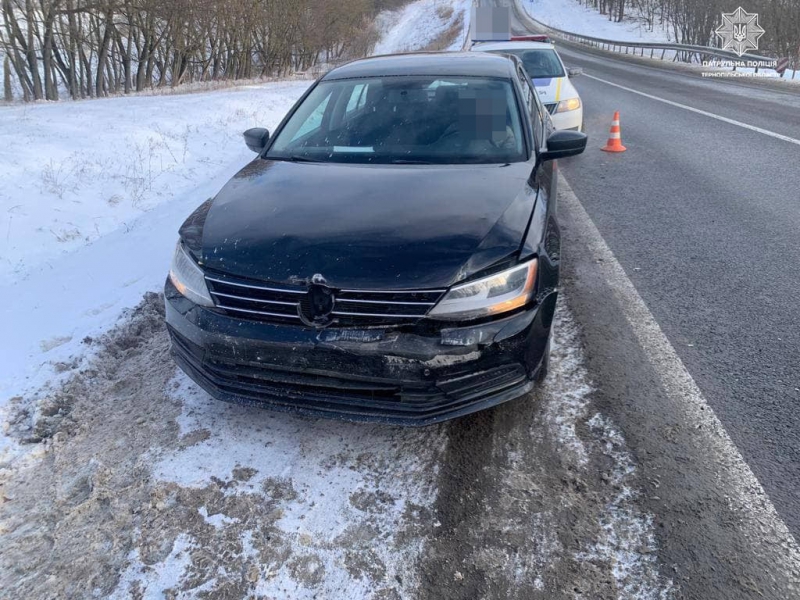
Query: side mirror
x=564, y=143
x=574, y=71
x=256, y=138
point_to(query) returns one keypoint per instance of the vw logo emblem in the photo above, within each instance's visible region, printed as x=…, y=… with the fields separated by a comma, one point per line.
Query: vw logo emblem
x=316, y=308
x=321, y=300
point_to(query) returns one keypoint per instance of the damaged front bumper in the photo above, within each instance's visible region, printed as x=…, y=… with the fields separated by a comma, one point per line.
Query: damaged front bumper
x=361, y=375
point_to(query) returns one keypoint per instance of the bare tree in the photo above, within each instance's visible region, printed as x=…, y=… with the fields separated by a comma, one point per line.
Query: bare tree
x=96, y=47
x=8, y=93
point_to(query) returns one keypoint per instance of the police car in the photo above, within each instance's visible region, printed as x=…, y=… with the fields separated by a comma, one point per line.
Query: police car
x=548, y=73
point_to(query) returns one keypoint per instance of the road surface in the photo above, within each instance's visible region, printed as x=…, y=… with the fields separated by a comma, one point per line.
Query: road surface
x=702, y=213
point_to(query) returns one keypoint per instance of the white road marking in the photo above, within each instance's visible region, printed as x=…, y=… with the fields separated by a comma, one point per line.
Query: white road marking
x=749, y=497
x=705, y=113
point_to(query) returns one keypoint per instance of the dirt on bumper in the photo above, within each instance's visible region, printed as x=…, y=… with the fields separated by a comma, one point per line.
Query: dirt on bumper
x=371, y=374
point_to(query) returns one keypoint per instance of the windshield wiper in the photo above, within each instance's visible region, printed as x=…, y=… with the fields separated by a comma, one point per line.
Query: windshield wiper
x=408, y=161
x=293, y=158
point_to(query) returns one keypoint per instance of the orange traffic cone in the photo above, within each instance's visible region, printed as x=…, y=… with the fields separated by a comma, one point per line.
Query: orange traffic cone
x=614, y=143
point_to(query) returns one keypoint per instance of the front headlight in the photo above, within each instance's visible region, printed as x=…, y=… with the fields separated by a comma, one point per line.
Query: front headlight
x=491, y=295
x=567, y=105
x=188, y=278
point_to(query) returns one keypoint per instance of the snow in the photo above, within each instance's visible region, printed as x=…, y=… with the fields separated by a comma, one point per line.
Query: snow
x=416, y=25
x=626, y=540
x=218, y=520
x=76, y=171
x=63, y=291
x=572, y=16
x=153, y=579
x=569, y=382
x=327, y=481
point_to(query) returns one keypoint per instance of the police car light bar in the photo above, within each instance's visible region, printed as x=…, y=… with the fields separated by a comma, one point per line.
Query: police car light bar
x=515, y=38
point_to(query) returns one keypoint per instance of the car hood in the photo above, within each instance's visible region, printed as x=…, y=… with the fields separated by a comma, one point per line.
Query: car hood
x=367, y=226
x=554, y=89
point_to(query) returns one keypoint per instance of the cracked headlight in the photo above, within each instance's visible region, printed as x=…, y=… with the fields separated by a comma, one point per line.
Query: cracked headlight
x=188, y=278
x=491, y=295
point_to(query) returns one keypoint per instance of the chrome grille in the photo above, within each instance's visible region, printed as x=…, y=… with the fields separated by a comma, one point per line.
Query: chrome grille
x=380, y=307
x=268, y=302
x=551, y=107
x=251, y=300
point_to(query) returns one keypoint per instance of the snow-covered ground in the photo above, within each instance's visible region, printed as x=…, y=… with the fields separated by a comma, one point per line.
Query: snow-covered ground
x=418, y=25
x=573, y=16
x=325, y=483
x=73, y=172
x=93, y=194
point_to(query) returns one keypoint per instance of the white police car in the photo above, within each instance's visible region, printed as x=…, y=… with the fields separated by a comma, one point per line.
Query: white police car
x=549, y=76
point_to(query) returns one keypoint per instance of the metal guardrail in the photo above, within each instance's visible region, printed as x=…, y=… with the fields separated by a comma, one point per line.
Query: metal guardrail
x=680, y=52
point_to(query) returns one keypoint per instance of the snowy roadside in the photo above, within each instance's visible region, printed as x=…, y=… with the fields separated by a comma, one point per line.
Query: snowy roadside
x=419, y=25
x=63, y=298
x=572, y=16
x=141, y=485
x=75, y=171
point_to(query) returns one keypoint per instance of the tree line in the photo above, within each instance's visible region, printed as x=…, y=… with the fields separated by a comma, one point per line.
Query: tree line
x=694, y=21
x=92, y=48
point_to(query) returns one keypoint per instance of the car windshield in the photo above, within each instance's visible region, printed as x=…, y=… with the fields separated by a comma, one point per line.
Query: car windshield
x=405, y=120
x=539, y=64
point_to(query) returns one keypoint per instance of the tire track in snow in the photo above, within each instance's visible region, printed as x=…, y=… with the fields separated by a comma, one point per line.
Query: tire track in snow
x=538, y=503
x=625, y=543
x=345, y=505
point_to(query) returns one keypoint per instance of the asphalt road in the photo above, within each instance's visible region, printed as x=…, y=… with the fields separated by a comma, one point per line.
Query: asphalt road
x=703, y=216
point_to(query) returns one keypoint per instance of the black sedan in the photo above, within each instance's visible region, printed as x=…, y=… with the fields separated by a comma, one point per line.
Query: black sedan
x=392, y=253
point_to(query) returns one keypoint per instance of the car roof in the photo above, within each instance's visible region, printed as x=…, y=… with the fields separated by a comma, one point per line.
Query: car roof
x=486, y=46
x=427, y=63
